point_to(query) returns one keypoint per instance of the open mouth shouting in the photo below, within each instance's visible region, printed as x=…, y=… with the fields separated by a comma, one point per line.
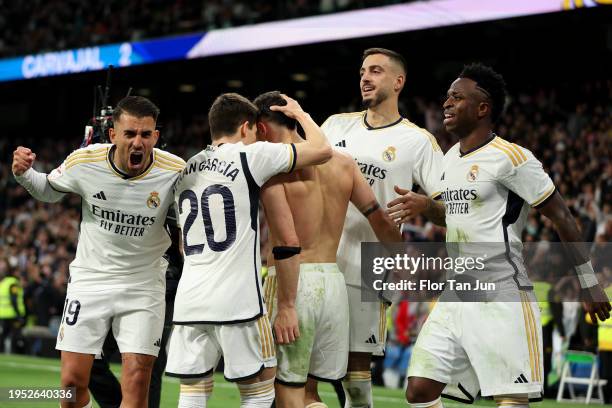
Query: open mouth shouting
x=136, y=159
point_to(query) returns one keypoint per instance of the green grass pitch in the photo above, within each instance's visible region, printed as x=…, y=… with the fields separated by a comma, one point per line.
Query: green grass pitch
x=24, y=371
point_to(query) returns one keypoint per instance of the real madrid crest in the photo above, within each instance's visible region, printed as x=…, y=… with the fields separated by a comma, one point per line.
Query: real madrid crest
x=389, y=154
x=154, y=201
x=473, y=173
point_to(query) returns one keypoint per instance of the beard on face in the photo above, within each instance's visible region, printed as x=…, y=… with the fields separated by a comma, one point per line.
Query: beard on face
x=379, y=98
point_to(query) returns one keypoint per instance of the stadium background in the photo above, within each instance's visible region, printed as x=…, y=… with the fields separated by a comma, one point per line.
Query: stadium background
x=557, y=67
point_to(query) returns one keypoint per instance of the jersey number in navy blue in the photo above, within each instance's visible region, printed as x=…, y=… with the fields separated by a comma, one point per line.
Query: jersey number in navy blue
x=228, y=210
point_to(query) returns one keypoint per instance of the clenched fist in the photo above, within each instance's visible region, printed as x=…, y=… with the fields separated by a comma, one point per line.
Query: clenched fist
x=23, y=159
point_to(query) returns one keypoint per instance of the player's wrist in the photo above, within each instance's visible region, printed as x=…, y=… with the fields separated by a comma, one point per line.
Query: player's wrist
x=586, y=275
x=286, y=305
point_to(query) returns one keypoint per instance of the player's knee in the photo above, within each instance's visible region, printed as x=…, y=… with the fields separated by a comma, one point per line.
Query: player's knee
x=74, y=378
x=419, y=390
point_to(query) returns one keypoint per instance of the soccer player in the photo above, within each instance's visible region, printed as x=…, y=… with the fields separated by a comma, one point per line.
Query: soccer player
x=306, y=211
x=117, y=277
x=390, y=151
x=488, y=185
x=219, y=307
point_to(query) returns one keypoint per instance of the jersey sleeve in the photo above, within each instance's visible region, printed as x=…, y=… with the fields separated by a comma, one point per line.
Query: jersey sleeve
x=428, y=168
x=64, y=178
x=525, y=176
x=330, y=130
x=265, y=160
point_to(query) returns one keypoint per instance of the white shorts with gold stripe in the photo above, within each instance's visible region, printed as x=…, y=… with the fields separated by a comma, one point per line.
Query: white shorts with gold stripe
x=247, y=348
x=368, y=323
x=494, y=347
x=321, y=351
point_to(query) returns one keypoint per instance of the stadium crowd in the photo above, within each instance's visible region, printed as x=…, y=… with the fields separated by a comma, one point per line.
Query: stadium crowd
x=39, y=26
x=572, y=136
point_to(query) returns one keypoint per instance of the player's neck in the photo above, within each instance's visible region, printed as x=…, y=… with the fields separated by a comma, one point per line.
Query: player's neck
x=226, y=139
x=476, y=138
x=383, y=114
x=287, y=136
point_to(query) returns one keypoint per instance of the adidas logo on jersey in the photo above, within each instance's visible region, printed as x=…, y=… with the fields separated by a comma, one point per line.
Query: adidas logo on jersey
x=442, y=178
x=100, y=196
x=521, y=380
x=157, y=343
x=341, y=143
x=371, y=340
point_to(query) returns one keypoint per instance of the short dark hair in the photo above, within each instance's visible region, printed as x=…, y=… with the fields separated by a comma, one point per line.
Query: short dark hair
x=137, y=106
x=491, y=82
x=263, y=103
x=228, y=112
x=394, y=56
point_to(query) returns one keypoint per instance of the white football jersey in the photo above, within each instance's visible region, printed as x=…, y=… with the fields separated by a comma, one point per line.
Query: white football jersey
x=487, y=193
x=401, y=154
x=217, y=199
x=122, y=237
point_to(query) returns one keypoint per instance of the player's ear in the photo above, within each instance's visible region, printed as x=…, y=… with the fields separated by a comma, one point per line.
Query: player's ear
x=111, y=134
x=399, y=83
x=484, y=109
x=244, y=129
x=262, y=130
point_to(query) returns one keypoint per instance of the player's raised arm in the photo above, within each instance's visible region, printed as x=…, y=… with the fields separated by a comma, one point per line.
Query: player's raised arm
x=34, y=182
x=316, y=149
x=286, y=249
x=595, y=300
x=363, y=198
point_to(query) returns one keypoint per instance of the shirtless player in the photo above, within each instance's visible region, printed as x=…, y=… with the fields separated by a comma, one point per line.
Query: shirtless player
x=307, y=295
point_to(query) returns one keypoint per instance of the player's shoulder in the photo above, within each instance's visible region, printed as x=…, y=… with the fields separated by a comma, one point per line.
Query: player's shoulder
x=344, y=118
x=168, y=161
x=418, y=134
x=342, y=158
x=509, y=154
x=264, y=147
x=89, y=154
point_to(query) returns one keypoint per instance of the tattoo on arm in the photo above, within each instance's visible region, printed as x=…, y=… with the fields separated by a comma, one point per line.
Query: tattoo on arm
x=375, y=206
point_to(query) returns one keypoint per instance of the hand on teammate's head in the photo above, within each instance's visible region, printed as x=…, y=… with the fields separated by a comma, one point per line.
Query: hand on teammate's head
x=291, y=109
x=23, y=159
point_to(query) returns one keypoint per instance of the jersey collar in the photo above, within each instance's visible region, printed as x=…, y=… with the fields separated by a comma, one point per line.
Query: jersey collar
x=122, y=174
x=480, y=146
x=370, y=127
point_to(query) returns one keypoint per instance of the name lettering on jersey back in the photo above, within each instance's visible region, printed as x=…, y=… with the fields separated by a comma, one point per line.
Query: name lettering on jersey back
x=371, y=172
x=212, y=164
x=120, y=222
x=458, y=201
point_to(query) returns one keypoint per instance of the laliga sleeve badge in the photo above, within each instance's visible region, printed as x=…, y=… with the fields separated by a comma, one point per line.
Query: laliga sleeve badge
x=153, y=201
x=389, y=154
x=473, y=173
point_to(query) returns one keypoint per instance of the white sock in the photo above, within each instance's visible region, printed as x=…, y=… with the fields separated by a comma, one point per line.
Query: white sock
x=437, y=403
x=258, y=395
x=358, y=389
x=89, y=404
x=512, y=401
x=316, y=405
x=195, y=392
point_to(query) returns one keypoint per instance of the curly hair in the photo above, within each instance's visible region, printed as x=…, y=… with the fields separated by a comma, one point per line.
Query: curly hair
x=491, y=83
